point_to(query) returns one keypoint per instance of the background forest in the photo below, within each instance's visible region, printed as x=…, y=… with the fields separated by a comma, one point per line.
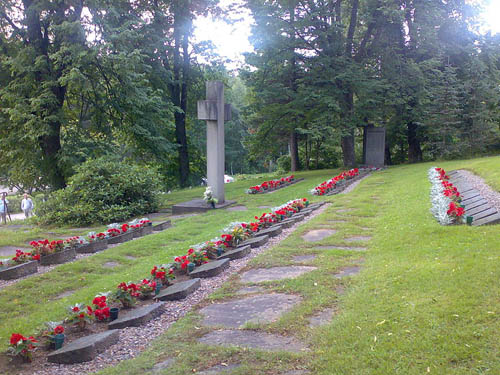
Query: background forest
x=86, y=79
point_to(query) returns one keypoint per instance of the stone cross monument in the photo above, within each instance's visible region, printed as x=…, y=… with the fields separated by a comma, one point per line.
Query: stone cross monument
x=215, y=112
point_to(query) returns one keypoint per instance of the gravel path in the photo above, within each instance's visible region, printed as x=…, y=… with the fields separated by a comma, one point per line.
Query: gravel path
x=492, y=196
x=134, y=340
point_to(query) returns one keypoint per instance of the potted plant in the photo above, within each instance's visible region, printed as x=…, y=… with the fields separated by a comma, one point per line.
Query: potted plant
x=126, y=294
x=209, y=198
x=55, y=335
x=197, y=257
x=146, y=288
x=22, y=347
x=163, y=275
x=80, y=315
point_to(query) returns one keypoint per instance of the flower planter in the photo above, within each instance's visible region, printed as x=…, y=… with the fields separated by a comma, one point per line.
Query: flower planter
x=20, y=270
x=124, y=237
x=148, y=229
x=138, y=232
x=93, y=247
x=59, y=257
x=162, y=226
x=58, y=341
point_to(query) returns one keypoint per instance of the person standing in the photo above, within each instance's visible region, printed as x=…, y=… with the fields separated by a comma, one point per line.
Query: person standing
x=4, y=207
x=27, y=206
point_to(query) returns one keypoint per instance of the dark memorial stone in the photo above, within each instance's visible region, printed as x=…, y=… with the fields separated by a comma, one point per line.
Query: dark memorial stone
x=492, y=219
x=374, y=146
x=127, y=236
x=478, y=209
x=137, y=317
x=179, y=290
x=271, y=232
x=255, y=242
x=210, y=269
x=85, y=349
x=238, y=253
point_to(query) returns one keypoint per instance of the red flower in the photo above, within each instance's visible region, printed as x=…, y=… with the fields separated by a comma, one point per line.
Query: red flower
x=76, y=309
x=58, y=330
x=15, y=338
x=190, y=251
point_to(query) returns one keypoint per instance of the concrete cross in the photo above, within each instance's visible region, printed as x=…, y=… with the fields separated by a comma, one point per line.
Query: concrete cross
x=215, y=112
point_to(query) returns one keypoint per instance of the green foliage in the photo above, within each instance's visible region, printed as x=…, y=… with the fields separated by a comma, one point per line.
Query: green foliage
x=102, y=191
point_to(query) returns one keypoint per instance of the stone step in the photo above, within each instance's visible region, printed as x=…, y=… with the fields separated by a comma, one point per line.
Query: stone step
x=238, y=253
x=255, y=241
x=287, y=223
x=470, y=196
x=210, y=269
x=478, y=209
x=85, y=349
x=179, y=290
x=485, y=213
x=488, y=220
x=299, y=217
x=306, y=212
x=137, y=317
x=475, y=203
x=271, y=231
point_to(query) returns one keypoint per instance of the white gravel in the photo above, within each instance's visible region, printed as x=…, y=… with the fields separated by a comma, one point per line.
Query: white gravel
x=492, y=196
x=134, y=340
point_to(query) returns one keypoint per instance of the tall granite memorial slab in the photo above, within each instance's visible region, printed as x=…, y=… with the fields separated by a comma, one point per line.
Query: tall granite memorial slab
x=374, y=146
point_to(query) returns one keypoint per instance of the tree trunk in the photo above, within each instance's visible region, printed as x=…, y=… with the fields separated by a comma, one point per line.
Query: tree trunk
x=179, y=92
x=388, y=158
x=294, y=152
x=414, y=150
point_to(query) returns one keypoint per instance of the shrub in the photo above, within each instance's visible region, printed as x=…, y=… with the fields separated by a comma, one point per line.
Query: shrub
x=102, y=191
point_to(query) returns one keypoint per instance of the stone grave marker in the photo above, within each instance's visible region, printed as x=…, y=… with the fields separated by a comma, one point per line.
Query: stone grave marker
x=374, y=146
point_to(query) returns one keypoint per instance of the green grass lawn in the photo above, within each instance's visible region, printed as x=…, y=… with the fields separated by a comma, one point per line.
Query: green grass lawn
x=426, y=300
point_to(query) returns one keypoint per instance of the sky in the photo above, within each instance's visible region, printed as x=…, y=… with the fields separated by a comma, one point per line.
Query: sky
x=231, y=39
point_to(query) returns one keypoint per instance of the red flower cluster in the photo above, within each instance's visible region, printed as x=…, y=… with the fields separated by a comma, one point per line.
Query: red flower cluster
x=22, y=257
x=101, y=309
x=455, y=209
x=46, y=247
x=58, y=330
x=125, y=227
x=327, y=186
x=113, y=232
x=131, y=288
x=16, y=339
x=271, y=184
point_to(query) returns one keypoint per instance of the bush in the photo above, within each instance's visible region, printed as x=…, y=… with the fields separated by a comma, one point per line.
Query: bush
x=284, y=163
x=102, y=191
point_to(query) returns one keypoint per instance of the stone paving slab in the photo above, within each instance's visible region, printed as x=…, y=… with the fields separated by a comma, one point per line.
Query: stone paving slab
x=352, y=248
x=358, y=238
x=321, y=318
x=488, y=220
x=306, y=212
x=85, y=349
x=210, y=269
x=179, y=290
x=287, y=223
x=219, y=370
x=262, y=308
x=348, y=271
x=316, y=235
x=271, y=231
x=467, y=202
x=137, y=317
x=254, y=340
x=255, y=241
x=238, y=253
x=10, y=251
x=111, y=264
x=250, y=289
x=237, y=208
x=275, y=273
x=304, y=258
x=470, y=194
x=159, y=367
